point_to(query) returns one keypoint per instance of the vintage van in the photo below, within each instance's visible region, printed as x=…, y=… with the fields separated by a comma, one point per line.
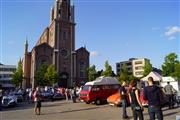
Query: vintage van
x=99, y=90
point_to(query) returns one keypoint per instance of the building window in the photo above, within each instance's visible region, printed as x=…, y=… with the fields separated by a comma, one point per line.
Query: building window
x=65, y=35
x=82, y=69
x=139, y=73
x=139, y=68
x=138, y=62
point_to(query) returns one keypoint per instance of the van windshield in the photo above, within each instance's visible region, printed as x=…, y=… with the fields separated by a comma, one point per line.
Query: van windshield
x=86, y=88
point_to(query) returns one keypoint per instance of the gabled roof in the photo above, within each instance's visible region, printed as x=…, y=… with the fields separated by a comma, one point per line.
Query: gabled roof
x=104, y=81
x=82, y=49
x=156, y=76
x=42, y=44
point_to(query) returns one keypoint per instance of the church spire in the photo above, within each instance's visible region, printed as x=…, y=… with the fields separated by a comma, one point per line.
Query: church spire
x=26, y=46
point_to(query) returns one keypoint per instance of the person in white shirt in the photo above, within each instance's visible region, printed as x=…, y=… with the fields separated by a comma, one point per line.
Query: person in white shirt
x=37, y=95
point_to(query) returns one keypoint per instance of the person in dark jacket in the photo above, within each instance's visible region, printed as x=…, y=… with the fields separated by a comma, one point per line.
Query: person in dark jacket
x=152, y=93
x=136, y=105
x=123, y=94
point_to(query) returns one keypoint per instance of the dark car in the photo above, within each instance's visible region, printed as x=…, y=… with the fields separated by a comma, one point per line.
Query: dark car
x=46, y=95
x=58, y=96
x=17, y=95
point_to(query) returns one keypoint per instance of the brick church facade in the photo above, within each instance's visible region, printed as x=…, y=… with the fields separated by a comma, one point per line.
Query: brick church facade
x=56, y=46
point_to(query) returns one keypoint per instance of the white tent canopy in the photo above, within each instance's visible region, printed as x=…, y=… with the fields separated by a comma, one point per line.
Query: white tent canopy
x=156, y=76
x=173, y=82
x=103, y=81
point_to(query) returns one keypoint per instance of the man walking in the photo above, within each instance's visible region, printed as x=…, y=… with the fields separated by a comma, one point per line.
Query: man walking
x=152, y=93
x=169, y=90
x=123, y=94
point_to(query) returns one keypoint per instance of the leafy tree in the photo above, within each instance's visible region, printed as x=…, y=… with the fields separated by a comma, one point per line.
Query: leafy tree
x=123, y=74
x=92, y=73
x=40, y=76
x=18, y=75
x=108, y=70
x=51, y=75
x=147, y=68
x=177, y=71
x=168, y=67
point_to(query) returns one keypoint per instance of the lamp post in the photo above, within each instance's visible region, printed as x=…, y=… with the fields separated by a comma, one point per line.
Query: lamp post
x=73, y=68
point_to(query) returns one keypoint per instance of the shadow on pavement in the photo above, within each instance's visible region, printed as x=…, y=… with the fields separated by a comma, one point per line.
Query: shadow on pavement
x=172, y=113
x=77, y=110
x=19, y=106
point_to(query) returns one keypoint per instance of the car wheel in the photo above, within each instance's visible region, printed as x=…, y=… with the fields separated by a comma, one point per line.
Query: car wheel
x=97, y=102
x=88, y=102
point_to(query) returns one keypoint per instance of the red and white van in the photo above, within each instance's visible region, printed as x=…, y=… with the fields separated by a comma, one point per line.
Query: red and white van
x=99, y=90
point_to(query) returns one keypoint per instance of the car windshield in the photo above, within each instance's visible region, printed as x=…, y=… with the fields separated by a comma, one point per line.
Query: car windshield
x=86, y=88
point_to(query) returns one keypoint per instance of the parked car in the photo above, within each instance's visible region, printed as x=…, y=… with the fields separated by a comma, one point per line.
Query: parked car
x=9, y=101
x=17, y=95
x=46, y=95
x=57, y=96
x=115, y=99
x=177, y=98
x=143, y=102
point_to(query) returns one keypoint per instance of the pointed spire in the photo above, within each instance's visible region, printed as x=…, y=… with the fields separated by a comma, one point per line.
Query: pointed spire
x=26, y=41
x=26, y=45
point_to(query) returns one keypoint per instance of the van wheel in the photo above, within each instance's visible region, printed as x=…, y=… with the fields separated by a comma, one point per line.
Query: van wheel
x=87, y=102
x=97, y=102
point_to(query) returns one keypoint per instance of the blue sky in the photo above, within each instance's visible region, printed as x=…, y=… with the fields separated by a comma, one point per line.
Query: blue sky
x=113, y=30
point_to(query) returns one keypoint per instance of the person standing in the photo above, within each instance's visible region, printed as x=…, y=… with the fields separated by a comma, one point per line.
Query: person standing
x=37, y=95
x=74, y=95
x=152, y=94
x=123, y=94
x=67, y=94
x=169, y=90
x=135, y=102
x=1, y=96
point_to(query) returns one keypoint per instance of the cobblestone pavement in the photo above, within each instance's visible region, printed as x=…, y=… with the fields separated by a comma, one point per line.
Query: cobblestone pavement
x=63, y=110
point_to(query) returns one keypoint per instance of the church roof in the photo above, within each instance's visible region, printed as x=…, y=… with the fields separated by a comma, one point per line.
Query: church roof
x=82, y=49
x=42, y=44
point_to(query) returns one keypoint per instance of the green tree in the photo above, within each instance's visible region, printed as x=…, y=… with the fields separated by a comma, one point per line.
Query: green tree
x=147, y=68
x=51, y=75
x=18, y=75
x=40, y=76
x=108, y=70
x=123, y=74
x=177, y=71
x=92, y=73
x=168, y=67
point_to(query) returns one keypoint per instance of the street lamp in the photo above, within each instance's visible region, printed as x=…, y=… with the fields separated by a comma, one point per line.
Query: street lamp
x=73, y=67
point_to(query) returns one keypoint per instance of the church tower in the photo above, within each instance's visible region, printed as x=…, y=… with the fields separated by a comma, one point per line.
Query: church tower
x=26, y=66
x=62, y=39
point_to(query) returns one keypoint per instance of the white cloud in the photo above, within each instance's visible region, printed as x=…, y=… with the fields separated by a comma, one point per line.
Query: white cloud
x=171, y=31
x=172, y=38
x=94, y=53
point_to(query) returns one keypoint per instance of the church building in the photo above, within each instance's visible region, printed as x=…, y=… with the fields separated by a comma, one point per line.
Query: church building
x=56, y=46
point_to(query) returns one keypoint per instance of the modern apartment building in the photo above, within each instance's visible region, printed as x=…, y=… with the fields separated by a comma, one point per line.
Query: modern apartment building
x=138, y=67
x=134, y=66
x=6, y=72
x=127, y=63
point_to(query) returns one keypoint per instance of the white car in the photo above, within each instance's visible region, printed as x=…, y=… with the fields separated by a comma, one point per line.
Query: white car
x=9, y=101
